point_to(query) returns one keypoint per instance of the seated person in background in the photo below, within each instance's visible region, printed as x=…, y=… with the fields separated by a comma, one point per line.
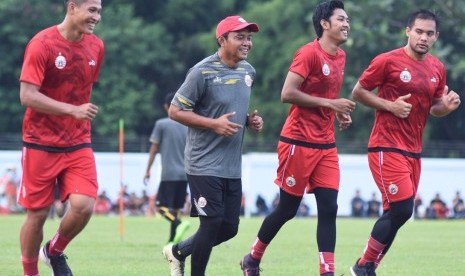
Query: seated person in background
x=458, y=206
x=358, y=205
x=102, y=204
x=437, y=208
x=373, y=207
x=262, y=207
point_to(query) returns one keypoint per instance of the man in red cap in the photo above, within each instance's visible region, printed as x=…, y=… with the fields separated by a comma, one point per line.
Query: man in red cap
x=213, y=102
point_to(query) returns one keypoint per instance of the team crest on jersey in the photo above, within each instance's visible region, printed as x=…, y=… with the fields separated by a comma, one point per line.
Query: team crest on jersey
x=202, y=202
x=393, y=189
x=325, y=69
x=405, y=76
x=290, y=181
x=248, y=80
x=60, y=61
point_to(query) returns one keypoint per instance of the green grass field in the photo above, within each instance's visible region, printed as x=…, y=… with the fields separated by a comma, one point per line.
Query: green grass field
x=422, y=247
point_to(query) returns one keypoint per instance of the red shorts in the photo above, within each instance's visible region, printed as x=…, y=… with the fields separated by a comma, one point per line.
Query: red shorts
x=397, y=176
x=303, y=169
x=75, y=173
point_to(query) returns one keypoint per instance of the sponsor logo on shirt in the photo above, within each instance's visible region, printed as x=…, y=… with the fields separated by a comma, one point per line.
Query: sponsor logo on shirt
x=92, y=62
x=393, y=189
x=405, y=76
x=433, y=79
x=248, y=80
x=325, y=69
x=217, y=80
x=60, y=61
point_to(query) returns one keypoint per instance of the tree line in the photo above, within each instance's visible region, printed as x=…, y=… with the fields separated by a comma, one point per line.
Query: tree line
x=150, y=45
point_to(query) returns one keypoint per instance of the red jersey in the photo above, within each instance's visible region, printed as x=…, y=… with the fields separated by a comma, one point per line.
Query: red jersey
x=396, y=74
x=64, y=71
x=323, y=75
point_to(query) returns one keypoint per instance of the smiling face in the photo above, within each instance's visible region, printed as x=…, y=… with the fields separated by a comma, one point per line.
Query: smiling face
x=86, y=15
x=235, y=46
x=337, y=28
x=421, y=37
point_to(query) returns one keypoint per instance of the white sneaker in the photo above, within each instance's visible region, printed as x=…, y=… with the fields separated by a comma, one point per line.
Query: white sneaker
x=176, y=266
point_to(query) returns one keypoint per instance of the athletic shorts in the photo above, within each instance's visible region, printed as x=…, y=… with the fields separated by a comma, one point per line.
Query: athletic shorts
x=172, y=194
x=302, y=169
x=213, y=196
x=397, y=176
x=74, y=172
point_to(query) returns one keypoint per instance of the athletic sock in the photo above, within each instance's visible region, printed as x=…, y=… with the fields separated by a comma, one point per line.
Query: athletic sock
x=372, y=251
x=258, y=249
x=326, y=262
x=30, y=267
x=58, y=244
x=378, y=260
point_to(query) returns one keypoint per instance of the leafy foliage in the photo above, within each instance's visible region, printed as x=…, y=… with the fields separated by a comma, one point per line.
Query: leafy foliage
x=150, y=45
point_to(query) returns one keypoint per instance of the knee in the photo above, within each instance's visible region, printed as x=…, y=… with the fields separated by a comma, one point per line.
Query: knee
x=328, y=210
x=82, y=207
x=402, y=211
x=229, y=231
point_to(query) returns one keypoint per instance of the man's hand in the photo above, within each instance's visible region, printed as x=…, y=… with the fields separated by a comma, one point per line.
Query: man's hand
x=400, y=108
x=224, y=127
x=254, y=121
x=86, y=111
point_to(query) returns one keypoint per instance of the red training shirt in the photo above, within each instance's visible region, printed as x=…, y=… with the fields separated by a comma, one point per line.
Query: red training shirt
x=396, y=74
x=323, y=75
x=64, y=71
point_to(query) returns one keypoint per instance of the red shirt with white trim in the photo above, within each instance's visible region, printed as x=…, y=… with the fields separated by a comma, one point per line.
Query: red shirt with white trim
x=64, y=71
x=323, y=75
x=396, y=74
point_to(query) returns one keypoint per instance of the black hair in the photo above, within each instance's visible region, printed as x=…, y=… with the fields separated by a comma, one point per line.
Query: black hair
x=425, y=15
x=168, y=98
x=324, y=11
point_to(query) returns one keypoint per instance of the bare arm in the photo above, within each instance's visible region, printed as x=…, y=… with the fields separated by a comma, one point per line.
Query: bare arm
x=292, y=94
x=449, y=102
x=152, y=153
x=400, y=108
x=30, y=96
x=221, y=125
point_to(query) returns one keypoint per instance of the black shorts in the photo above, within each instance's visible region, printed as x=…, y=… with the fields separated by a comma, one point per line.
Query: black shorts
x=172, y=194
x=216, y=196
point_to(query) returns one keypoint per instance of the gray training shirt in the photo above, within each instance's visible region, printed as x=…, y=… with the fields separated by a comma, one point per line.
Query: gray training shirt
x=171, y=139
x=212, y=89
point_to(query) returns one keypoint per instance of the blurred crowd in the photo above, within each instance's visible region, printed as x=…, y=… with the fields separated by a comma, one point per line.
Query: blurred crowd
x=134, y=204
x=436, y=209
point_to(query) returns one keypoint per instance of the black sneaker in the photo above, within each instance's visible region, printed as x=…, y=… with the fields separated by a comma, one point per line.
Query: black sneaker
x=367, y=269
x=56, y=263
x=249, y=266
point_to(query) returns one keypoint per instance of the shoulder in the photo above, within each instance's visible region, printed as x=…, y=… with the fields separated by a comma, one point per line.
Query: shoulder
x=435, y=61
x=44, y=37
x=244, y=65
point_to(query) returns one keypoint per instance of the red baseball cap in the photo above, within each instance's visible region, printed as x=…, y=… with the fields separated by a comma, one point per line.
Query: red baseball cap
x=234, y=23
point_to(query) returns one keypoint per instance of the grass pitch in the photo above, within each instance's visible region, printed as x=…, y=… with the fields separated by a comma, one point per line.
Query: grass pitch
x=422, y=247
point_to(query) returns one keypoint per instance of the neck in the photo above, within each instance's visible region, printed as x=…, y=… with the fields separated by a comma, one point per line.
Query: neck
x=328, y=46
x=226, y=60
x=68, y=32
x=413, y=54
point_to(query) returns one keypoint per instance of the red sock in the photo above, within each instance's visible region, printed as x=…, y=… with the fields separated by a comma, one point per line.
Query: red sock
x=326, y=262
x=380, y=257
x=258, y=249
x=58, y=244
x=372, y=251
x=30, y=267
